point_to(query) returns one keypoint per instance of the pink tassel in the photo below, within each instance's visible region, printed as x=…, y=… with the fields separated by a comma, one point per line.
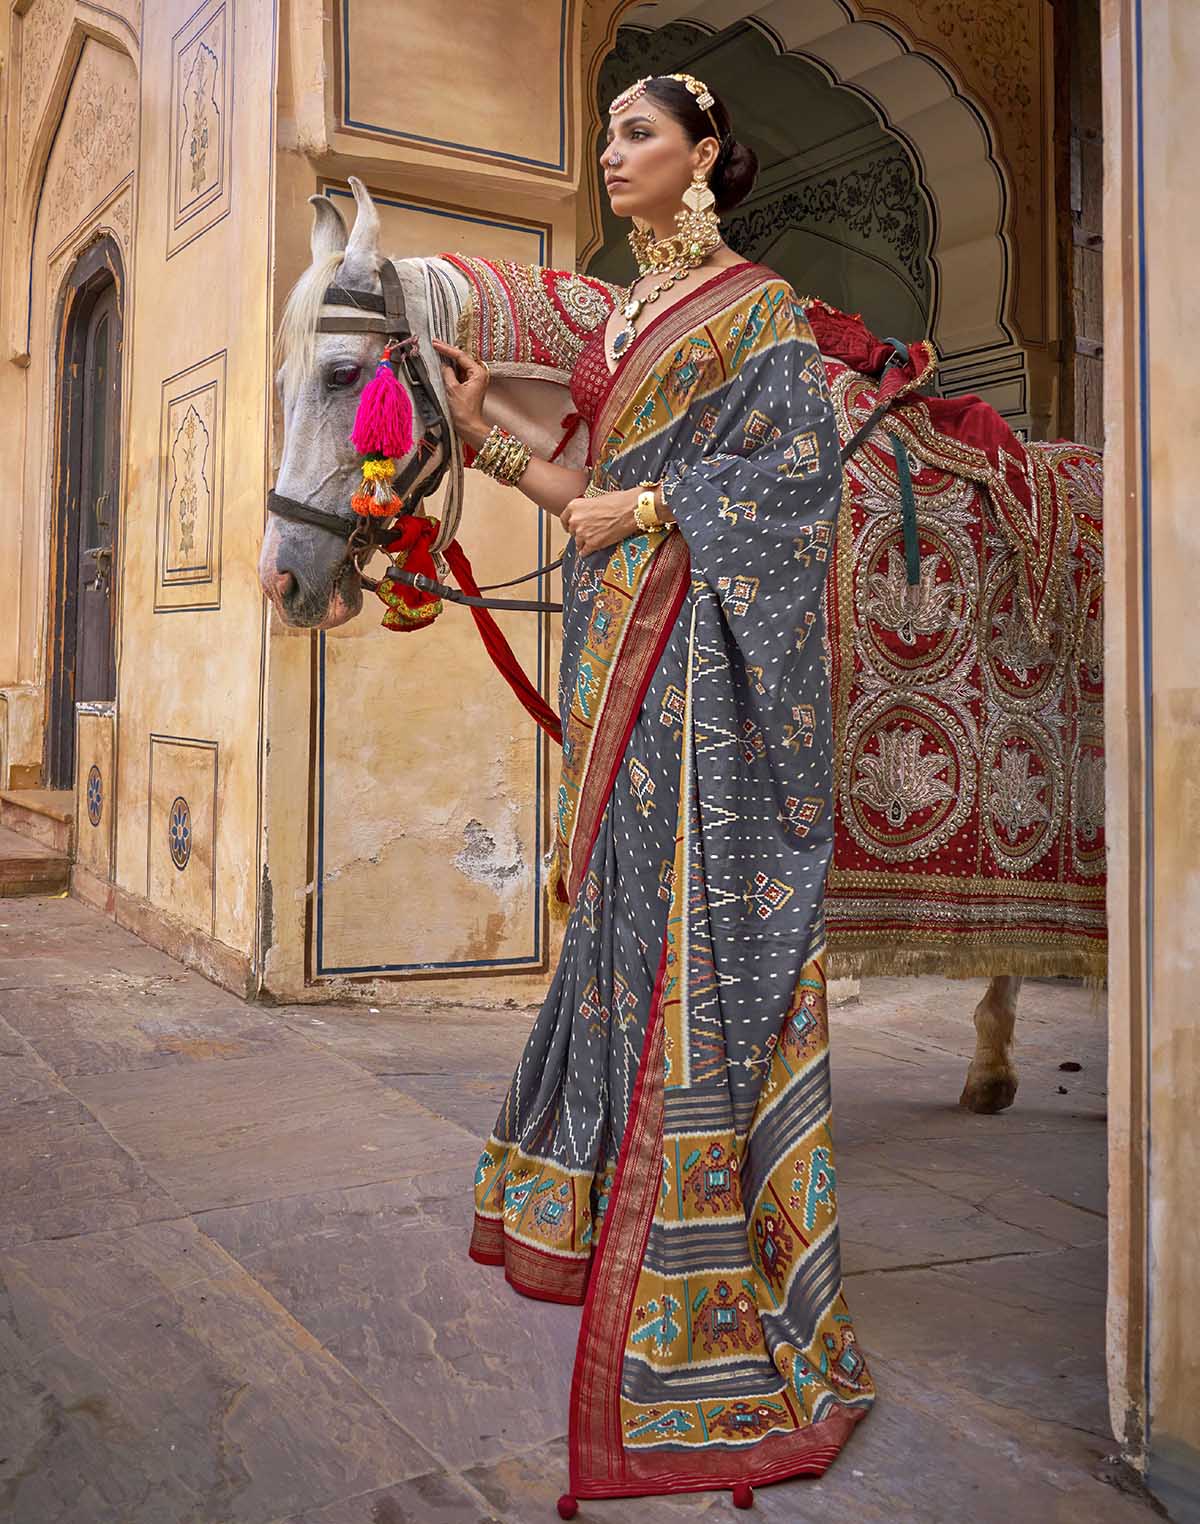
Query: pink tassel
x=383, y=424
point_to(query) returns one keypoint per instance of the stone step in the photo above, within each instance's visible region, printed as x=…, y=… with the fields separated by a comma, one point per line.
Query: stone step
x=45, y=815
x=28, y=867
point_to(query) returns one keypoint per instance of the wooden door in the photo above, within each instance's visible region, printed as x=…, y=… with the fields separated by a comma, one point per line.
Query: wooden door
x=85, y=539
x=95, y=666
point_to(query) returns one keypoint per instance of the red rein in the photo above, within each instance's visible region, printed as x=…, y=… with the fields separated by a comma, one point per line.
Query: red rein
x=411, y=609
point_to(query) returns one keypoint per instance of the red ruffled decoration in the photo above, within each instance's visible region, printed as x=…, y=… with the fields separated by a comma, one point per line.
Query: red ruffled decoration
x=408, y=607
x=844, y=336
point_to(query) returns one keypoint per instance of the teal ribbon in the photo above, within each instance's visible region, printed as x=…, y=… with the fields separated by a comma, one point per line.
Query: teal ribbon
x=908, y=512
x=908, y=501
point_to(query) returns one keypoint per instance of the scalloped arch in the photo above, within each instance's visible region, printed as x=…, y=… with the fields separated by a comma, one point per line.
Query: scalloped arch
x=917, y=100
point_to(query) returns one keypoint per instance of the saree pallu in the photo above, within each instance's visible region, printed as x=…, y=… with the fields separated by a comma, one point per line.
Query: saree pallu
x=664, y=1150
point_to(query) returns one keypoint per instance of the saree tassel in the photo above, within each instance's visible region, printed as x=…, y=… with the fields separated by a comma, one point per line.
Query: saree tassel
x=568, y=1506
x=743, y=1495
x=383, y=424
x=556, y=896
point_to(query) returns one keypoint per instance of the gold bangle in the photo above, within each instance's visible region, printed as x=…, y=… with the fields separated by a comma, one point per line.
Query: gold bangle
x=503, y=457
x=645, y=513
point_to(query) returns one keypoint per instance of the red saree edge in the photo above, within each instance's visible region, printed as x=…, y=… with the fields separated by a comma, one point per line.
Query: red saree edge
x=634, y=699
x=595, y=1342
x=538, y=1275
x=807, y=1452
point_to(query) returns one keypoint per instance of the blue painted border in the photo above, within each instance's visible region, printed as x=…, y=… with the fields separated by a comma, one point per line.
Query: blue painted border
x=1147, y=591
x=489, y=153
x=320, y=968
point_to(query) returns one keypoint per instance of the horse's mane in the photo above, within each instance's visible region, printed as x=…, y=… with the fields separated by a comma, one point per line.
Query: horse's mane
x=296, y=343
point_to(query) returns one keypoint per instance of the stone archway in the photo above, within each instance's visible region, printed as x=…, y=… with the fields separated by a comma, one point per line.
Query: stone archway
x=953, y=146
x=73, y=154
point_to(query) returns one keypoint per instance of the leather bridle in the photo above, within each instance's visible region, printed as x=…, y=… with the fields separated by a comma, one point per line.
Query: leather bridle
x=386, y=314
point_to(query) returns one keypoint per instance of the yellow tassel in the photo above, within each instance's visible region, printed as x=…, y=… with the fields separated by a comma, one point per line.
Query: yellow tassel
x=378, y=470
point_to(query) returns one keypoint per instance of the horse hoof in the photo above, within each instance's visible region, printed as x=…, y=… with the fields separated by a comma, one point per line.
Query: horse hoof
x=987, y=1096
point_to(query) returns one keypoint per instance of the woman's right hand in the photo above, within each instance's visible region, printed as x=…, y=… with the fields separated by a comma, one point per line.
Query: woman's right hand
x=466, y=381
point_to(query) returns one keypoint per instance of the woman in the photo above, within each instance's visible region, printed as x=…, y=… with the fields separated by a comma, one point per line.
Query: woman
x=664, y=1149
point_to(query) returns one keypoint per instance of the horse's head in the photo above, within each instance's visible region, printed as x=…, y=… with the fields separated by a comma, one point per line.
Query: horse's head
x=308, y=571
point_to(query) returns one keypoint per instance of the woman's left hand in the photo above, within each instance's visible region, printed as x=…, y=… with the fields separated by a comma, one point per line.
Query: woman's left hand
x=596, y=522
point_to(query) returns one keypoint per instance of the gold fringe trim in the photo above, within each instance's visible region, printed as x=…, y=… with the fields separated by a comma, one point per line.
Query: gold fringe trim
x=848, y=962
x=560, y=910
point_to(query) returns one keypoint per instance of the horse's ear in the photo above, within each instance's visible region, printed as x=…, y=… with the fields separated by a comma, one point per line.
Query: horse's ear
x=362, y=250
x=328, y=230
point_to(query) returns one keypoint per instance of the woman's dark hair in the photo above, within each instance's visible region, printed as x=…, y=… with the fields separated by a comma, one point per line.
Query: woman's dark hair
x=736, y=166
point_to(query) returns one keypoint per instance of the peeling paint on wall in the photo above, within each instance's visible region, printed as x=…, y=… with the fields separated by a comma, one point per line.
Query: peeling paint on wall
x=480, y=858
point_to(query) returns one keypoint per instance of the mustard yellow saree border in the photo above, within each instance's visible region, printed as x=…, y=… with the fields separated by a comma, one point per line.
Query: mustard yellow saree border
x=612, y=427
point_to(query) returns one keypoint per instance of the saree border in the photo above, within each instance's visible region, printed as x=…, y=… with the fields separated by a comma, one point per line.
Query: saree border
x=650, y=622
x=670, y=326
x=599, y=1464
x=535, y=1273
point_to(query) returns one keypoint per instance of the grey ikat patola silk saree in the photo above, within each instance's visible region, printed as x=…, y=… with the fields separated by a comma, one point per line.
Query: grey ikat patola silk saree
x=664, y=1152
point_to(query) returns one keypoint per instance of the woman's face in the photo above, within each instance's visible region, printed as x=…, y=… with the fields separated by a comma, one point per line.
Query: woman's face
x=648, y=162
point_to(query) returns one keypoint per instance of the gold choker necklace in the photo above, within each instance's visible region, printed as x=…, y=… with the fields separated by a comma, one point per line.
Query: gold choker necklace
x=697, y=234
x=688, y=247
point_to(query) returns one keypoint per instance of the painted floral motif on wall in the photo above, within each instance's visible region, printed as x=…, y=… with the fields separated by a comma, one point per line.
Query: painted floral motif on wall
x=201, y=103
x=189, y=499
x=190, y=493
x=95, y=148
x=95, y=795
x=201, y=128
x=42, y=29
x=191, y=486
x=875, y=201
x=179, y=833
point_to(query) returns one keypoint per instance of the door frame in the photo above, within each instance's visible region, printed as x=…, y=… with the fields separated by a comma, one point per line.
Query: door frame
x=98, y=267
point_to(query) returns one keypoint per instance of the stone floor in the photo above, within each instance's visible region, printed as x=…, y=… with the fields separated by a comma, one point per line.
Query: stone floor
x=233, y=1286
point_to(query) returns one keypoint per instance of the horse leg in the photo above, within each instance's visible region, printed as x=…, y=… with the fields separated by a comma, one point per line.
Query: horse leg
x=992, y=1078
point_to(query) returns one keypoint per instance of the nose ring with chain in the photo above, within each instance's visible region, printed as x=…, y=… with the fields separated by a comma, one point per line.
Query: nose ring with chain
x=615, y=159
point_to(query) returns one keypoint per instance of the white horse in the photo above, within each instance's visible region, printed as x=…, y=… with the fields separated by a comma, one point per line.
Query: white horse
x=308, y=572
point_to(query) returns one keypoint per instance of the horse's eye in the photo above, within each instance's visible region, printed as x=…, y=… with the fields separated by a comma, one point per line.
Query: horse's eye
x=343, y=375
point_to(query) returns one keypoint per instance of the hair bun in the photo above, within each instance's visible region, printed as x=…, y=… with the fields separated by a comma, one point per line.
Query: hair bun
x=734, y=175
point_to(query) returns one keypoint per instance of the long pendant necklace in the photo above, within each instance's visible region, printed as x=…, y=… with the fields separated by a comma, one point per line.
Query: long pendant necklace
x=633, y=308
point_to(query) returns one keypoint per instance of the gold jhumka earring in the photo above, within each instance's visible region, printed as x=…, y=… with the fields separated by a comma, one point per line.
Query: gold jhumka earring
x=697, y=233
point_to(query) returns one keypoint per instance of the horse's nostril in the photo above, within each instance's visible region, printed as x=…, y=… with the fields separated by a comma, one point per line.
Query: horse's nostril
x=285, y=584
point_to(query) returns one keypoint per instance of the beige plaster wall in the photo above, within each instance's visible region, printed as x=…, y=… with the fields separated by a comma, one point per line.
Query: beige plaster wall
x=407, y=794
x=1152, y=549
x=191, y=634
x=69, y=164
